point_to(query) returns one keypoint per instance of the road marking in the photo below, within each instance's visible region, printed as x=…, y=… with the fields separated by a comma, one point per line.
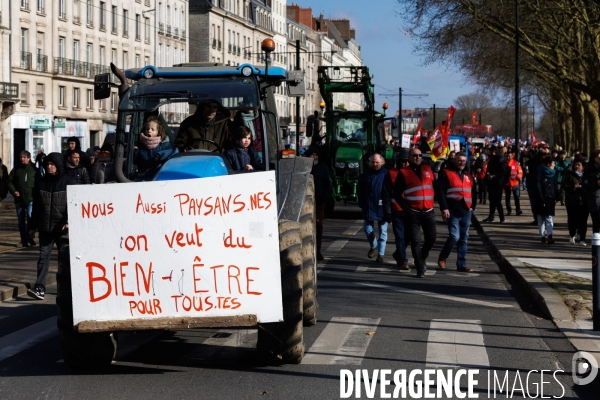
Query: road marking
x=438, y=296
x=25, y=338
x=352, y=231
x=336, y=246
x=462, y=274
x=13, y=303
x=455, y=343
x=344, y=341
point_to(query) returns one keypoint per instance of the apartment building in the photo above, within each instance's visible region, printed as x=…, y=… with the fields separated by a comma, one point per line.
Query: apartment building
x=58, y=46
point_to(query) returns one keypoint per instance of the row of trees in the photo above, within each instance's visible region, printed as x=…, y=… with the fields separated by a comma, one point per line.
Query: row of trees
x=559, y=47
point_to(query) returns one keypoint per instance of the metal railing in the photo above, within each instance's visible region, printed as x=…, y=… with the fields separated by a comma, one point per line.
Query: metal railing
x=230, y=47
x=183, y=33
x=168, y=29
x=147, y=3
x=76, y=20
x=9, y=90
x=239, y=50
x=42, y=63
x=183, y=36
x=161, y=27
x=214, y=43
x=102, y=26
x=25, y=60
x=65, y=66
x=176, y=32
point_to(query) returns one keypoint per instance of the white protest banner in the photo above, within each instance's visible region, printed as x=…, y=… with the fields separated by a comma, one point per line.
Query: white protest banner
x=188, y=248
x=406, y=141
x=454, y=145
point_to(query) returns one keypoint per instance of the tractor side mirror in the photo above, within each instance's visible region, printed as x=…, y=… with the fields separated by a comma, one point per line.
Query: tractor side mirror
x=102, y=86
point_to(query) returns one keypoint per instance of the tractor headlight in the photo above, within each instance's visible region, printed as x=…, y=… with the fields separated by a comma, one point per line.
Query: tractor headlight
x=148, y=73
x=353, y=165
x=246, y=71
x=340, y=165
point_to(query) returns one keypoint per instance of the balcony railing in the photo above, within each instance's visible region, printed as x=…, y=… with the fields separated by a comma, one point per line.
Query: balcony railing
x=65, y=66
x=183, y=33
x=176, y=32
x=9, y=90
x=230, y=47
x=25, y=60
x=168, y=29
x=161, y=27
x=102, y=26
x=239, y=50
x=183, y=36
x=147, y=3
x=42, y=63
x=76, y=20
x=214, y=43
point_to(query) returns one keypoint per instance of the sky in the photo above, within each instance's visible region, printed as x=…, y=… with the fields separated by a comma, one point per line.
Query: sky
x=388, y=52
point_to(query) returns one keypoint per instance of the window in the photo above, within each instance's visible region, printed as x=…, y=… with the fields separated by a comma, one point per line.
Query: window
x=75, y=97
x=61, y=9
x=168, y=57
x=183, y=56
x=38, y=140
x=89, y=13
x=75, y=50
x=101, y=105
x=137, y=61
x=61, y=96
x=61, y=47
x=160, y=50
x=114, y=19
x=113, y=56
x=24, y=40
x=25, y=4
x=89, y=99
x=160, y=13
x=41, y=60
x=113, y=101
x=125, y=23
x=102, y=15
x=137, y=26
x=76, y=11
x=147, y=29
x=146, y=61
x=89, y=59
x=125, y=57
x=40, y=6
x=102, y=59
x=40, y=94
x=24, y=93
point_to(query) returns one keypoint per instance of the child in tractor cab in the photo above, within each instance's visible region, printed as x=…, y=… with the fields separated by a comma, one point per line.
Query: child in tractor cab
x=154, y=147
x=242, y=157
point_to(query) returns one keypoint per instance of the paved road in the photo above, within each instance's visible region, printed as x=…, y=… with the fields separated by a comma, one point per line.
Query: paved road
x=373, y=317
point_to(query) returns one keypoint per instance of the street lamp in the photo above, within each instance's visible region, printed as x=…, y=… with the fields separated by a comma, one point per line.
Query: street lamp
x=517, y=87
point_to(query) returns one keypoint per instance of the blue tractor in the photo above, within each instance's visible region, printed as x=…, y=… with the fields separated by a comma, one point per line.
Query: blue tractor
x=167, y=94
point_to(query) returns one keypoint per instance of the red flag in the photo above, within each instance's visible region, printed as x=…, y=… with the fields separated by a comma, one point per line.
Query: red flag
x=446, y=129
x=418, y=134
x=474, y=117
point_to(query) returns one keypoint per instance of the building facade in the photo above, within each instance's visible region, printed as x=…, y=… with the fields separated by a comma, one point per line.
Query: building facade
x=57, y=49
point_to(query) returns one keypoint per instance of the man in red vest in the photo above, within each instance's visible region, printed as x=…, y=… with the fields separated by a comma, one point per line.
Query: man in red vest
x=513, y=183
x=414, y=191
x=460, y=192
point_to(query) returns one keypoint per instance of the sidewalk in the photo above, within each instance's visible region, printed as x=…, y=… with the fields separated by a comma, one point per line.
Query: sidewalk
x=558, y=276
x=18, y=266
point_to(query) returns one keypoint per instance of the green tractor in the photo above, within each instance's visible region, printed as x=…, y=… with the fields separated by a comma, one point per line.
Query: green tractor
x=352, y=136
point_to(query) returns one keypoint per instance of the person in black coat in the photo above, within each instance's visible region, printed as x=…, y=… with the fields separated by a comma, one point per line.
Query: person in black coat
x=576, y=202
x=323, y=191
x=242, y=157
x=77, y=174
x=49, y=216
x=495, y=178
x=545, y=198
x=591, y=183
x=3, y=181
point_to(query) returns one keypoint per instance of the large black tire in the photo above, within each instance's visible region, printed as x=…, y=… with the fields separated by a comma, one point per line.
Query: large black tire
x=80, y=350
x=283, y=342
x=309, y=259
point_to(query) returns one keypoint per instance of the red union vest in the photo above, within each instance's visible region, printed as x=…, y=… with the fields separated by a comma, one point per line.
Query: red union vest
x=419, y=194
x=393, y=174
x=516, y=173
x=459, y=189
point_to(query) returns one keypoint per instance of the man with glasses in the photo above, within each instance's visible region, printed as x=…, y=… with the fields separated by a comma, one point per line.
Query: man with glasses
x=414, y=191
x=206, y=123
x=458, y=189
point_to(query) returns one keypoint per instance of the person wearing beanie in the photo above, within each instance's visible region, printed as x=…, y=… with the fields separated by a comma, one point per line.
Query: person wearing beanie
x=49, y=216
x=21, y=183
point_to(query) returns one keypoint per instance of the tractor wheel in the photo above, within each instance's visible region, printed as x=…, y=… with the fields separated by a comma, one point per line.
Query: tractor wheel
x=283, y=342
x=80, y=350
x=309, y=259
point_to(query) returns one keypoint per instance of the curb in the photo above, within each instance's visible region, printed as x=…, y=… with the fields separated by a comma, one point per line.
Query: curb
x=552, y=304
x=11, y=292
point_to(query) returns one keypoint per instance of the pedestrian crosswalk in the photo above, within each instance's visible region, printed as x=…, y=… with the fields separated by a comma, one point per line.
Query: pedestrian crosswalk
x=343, y=341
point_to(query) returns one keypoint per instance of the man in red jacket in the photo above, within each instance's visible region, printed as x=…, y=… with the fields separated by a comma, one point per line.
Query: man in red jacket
x=513, y=183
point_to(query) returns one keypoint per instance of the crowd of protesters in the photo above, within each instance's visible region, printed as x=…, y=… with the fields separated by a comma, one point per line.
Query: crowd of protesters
x=38, y=188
